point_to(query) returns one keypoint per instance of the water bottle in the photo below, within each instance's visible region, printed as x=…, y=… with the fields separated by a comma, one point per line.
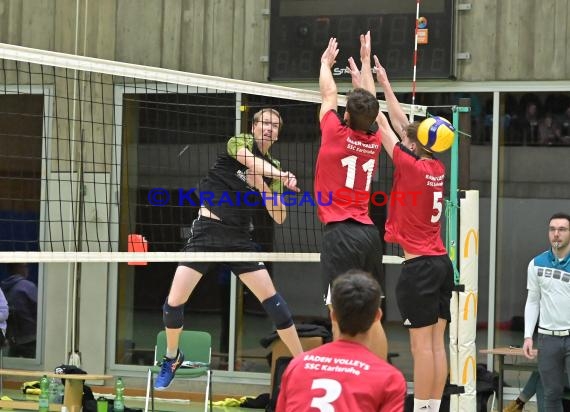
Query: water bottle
x=43, y=405
x=119, y=403
x=60, y=391
x=56, y=390
x=53, y=392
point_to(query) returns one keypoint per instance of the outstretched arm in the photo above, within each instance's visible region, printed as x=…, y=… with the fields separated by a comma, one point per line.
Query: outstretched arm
x=327, y=85
x=389, y=138
x=366, y=70
x=363, y=78
x=397, y=116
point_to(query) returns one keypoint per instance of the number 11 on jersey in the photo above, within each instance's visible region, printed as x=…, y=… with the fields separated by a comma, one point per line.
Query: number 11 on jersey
x=350, y=163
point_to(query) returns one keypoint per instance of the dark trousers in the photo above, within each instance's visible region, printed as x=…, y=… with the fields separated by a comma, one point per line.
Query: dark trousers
x=553, y=364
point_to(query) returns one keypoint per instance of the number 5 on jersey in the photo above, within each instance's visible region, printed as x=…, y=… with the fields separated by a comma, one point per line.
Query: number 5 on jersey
x=437, y=206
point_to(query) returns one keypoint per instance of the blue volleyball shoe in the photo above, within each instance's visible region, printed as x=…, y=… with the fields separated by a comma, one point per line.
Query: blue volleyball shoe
x=167, y=371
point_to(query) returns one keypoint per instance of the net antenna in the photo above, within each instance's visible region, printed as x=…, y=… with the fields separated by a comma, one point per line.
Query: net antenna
x=415, y=61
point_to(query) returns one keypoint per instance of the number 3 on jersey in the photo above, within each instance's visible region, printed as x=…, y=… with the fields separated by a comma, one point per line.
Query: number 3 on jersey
x=332, y=393
x=350, y=163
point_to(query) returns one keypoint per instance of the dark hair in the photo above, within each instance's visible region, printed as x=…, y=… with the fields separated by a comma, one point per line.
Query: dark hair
x=362, y=107
x=412, y=133
x=18, y=268
x=355, y=300
x=559, y=215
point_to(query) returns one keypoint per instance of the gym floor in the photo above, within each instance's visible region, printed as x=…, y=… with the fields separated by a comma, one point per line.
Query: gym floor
x=137, y=402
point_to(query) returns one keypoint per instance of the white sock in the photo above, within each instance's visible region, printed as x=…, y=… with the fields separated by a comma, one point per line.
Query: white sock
x=171, y=355
x=434, y=404
x=421, y=405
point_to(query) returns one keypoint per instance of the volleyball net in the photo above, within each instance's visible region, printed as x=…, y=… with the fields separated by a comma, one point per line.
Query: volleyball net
x=98, y=152
x=95, y=151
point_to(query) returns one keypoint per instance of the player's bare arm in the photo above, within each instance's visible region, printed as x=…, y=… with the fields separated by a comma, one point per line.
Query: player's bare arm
x=263, y=168
x=389, y=137
x=273, y=204
x=397, y=116
x=327, y=84
x=355, y=74
x=362, y=78
x=367, y=82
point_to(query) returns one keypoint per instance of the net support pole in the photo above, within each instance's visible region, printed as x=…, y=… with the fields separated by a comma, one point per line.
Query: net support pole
x=462, y=328
x=453, y=188
x=453, y=205
x=451, y=245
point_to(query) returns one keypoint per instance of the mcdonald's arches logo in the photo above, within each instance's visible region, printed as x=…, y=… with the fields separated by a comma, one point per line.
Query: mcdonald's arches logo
x=470, y=233
x=466, y=305
x=469, y=361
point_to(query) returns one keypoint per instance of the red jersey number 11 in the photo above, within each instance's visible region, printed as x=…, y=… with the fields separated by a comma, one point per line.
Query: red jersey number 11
x=350, y=163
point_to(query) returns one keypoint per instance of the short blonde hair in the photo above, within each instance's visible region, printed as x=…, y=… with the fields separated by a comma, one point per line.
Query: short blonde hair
x=257, y=115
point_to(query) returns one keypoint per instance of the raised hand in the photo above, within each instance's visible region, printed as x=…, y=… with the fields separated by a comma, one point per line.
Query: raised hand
x=380, y=72
x=329, y=55
x=365, y=46
x=354, y=73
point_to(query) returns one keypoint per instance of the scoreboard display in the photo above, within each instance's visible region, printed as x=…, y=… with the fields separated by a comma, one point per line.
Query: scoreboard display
x=300, y=31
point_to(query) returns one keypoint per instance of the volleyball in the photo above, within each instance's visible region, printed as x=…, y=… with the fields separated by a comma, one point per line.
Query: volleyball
x=436, y=134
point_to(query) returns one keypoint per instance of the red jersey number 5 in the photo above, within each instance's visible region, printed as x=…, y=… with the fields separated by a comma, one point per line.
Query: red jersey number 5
x=437, y=206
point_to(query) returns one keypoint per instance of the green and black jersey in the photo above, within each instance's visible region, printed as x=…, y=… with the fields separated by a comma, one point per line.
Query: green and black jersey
x=224, y=190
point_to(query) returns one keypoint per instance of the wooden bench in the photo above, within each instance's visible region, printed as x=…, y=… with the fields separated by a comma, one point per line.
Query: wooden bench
x=73, y=395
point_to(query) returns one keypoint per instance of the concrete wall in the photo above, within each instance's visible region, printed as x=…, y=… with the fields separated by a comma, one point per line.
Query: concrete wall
x=514, y=40
x=507, y=39
x=218, y=37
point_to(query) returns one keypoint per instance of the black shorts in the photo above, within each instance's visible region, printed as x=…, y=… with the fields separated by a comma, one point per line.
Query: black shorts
x=211, y=235
x=350, y=245
x=424, y=290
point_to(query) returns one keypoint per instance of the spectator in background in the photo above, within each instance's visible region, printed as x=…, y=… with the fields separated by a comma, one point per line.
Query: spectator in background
x=548, y=131
x=564, y=122
x=527, y=125
x=22, y=296
x=3, y=317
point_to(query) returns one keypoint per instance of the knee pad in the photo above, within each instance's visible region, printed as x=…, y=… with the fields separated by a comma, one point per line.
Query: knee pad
x=173, y=316
x=278, y=311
